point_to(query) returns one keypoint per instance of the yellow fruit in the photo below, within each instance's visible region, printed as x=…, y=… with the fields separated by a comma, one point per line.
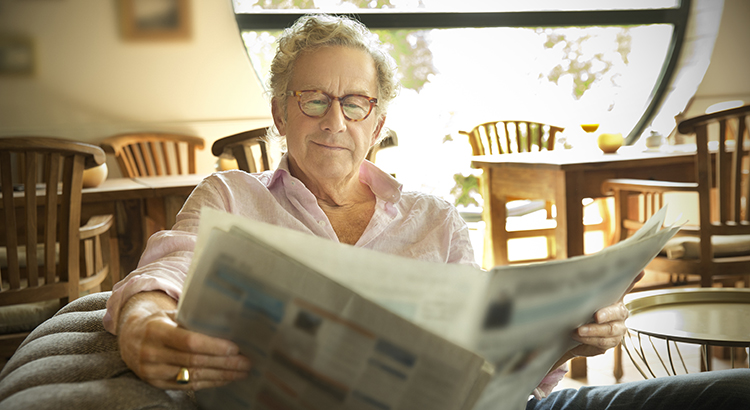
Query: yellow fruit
x=227, y=163
x=590, y=127
x=609, y=143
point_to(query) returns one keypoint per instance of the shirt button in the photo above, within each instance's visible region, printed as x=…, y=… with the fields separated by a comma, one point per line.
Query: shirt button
x=322, y=223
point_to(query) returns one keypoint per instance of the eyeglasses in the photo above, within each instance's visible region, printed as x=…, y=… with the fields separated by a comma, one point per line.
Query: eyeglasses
x=316, y=103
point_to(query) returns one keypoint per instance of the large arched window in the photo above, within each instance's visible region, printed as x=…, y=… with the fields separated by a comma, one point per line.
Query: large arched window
x=585, y=61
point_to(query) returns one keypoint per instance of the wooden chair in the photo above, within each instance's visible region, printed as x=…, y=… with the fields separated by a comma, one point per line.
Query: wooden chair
x=153, y=154
x=144, y=154
x=390, y=140
x=511, y=136
x=506, y=137
x=48, y=258
x=248, y=148
x=716, y=248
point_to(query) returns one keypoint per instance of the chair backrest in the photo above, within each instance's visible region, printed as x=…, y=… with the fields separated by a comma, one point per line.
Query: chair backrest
x=41, y=207
x=249, y=148
x=722, y=166
x=505, y=137
x=722, y=184
x=153, y=154
x=390, y=140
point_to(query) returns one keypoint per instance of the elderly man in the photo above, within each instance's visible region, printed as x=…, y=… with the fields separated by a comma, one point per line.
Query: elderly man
x=331, y=84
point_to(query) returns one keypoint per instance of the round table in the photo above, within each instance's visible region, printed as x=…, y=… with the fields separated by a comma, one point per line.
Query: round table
x=702, y=316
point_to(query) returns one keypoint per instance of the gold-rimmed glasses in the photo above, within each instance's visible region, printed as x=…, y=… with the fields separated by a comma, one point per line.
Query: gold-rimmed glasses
x=316, y=103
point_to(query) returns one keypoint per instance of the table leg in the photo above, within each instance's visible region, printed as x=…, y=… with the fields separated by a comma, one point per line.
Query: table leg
x=572, y=215
x=172, y=206
x=494, y=214
x=570, y=228
x=130, y=233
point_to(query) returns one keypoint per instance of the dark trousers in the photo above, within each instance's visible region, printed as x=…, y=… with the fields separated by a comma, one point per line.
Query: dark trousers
x=715, y=390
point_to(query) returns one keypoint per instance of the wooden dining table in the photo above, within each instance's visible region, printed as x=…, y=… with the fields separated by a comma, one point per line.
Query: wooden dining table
x=141, y=206
x=567, y=177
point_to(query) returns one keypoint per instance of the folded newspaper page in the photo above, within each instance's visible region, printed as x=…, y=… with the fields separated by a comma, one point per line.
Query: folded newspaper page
x=332, y=326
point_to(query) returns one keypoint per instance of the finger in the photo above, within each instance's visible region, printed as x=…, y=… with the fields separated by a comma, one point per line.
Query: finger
x=188, y=341
x=173, y=357
x=165, y=376
x=192, y=385
x=599, y=343
x=616, y=312
x=610, y=329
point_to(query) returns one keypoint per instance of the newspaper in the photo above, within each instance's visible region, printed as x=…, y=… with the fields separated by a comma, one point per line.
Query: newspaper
x=332, y=326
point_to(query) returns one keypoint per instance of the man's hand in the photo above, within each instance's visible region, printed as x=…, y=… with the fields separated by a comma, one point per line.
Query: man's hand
x=155, y=347
x=605, y=333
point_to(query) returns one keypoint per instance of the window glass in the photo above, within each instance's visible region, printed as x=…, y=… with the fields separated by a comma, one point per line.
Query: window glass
x=249, y=6
x=454, y=79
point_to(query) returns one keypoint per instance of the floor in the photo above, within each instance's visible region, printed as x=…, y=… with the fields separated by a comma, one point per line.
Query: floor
x=600, y=369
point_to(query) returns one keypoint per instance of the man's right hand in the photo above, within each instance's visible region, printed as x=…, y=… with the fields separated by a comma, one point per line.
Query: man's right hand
x=154, y=347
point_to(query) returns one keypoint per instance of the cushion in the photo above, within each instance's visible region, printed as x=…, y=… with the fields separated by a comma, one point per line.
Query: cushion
x=22, y=255
x=688, y=247
x=71, y=362
x=25, y=317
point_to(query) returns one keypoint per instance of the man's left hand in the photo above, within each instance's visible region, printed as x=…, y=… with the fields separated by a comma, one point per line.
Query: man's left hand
x=605, y=333
x=607, y=329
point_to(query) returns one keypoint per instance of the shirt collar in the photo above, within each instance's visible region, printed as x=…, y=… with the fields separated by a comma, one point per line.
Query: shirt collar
x=383, y=185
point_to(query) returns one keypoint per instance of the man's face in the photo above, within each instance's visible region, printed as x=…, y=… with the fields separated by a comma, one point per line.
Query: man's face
x=330, y=147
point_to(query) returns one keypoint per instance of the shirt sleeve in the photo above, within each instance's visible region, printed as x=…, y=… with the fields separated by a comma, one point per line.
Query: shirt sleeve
x=461, y=250
x=166, y=259
x=549, y=382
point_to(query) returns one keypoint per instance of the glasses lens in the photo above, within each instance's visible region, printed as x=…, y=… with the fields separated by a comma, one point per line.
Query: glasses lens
x=314, y=103
x=356, y=107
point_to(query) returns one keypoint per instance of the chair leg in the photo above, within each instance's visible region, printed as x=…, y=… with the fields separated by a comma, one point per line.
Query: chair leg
x=578, y=368
x=618, y=369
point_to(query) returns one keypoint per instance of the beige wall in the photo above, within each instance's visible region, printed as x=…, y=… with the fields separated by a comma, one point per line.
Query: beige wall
x=90, y=83
x=727, y=76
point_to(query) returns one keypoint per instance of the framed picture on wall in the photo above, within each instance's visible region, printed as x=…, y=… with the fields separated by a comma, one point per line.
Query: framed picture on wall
x=16, y=56
x=155, y=19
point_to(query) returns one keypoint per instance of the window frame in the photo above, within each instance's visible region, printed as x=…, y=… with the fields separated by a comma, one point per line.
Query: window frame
x=677, y=17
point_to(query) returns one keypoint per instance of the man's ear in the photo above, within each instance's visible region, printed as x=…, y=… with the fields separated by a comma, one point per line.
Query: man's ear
x=278, y=117
x=378, y=129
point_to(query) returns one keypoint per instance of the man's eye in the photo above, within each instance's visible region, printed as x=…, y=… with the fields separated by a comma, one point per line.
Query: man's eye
x=353, y=106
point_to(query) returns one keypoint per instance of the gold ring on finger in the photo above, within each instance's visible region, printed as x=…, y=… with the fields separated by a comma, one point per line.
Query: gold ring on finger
x=183, y=376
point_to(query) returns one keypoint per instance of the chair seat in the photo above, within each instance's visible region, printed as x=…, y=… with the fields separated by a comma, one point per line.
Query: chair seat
x=524, y=206
x=688, y=247
x=515, y=208
x=22, y=255
x=26, y=317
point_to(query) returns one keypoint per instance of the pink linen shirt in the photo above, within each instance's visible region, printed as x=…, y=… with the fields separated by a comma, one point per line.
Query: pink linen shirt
x=410, y=224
